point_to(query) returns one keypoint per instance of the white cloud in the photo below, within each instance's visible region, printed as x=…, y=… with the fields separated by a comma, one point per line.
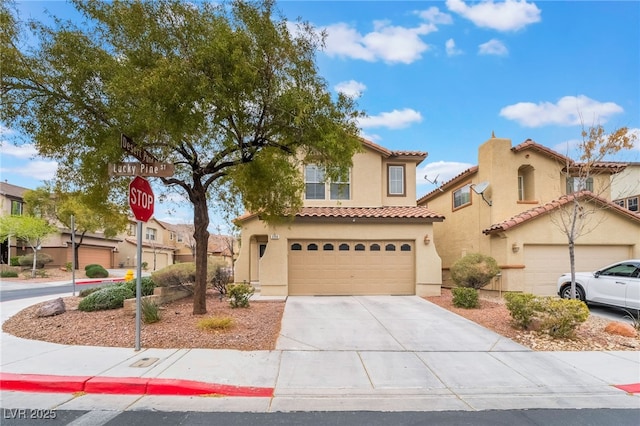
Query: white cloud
x=388, y=43
x=568, y=111
x=370, y=136
x=493, y=47
x=450, y=46
x=510, y=15
x=23, y=151
x=442, y=171
x=35, y=169
x=351, y=88
x=434, y=16
x=392, y=120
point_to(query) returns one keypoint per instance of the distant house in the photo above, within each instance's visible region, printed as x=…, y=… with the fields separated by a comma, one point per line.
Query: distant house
x=362, y=235
x=625, y=188
x=95, y=247
x=158, y=248
x=504, y=207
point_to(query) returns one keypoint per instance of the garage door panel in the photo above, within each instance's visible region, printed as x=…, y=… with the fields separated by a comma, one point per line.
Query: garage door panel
x=358, y=270
x=545, y=263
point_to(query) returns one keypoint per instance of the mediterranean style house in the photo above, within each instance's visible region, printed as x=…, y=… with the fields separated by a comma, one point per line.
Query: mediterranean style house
x=363, y=235
x=625, y=189
x=95, y=247
x=508, y=205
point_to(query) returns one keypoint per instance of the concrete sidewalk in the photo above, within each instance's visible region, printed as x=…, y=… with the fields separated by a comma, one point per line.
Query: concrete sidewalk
x=375, y=353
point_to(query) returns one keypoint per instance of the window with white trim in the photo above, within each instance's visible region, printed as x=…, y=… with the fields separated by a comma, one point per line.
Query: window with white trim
x=315, y=181
x=396, y=180
x=575, y=184
x=462, y=196
x=151, y=234
x=632, y=204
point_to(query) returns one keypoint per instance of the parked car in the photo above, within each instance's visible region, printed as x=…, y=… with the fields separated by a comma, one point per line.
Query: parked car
x=614, y=285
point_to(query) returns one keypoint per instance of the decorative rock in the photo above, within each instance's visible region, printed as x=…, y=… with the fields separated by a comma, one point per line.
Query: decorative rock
x=49, y=309
x=621, y=329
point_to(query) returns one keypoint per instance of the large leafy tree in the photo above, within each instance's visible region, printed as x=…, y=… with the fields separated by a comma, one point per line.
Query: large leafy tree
x=30, y=229
x=89, y=215
x=229, y=93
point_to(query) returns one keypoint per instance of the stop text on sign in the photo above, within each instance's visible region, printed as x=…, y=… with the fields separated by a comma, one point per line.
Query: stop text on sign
x=140, y=198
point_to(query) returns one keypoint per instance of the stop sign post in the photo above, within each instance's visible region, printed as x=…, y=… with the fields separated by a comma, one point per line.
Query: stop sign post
x=141, y=201
x=141, y=198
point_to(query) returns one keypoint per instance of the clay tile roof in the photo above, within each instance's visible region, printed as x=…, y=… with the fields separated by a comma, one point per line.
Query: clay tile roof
x=554, y=205
x=448, y=184
x=530, y=144
x=388, y=153
x=395, y=212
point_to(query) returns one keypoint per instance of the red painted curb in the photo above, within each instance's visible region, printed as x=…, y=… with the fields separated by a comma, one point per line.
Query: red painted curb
x=42, y=383
x=630, y=388
x=124, y=386
x=95, y=281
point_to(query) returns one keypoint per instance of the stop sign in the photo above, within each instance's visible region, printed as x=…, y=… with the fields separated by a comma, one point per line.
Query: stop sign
x=141, y=198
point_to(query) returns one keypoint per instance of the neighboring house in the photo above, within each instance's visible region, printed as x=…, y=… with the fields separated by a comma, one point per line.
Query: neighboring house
x=223, y=247
x=521, y=188
x=157, y=245
x=363, y=235
x=181, y=238
x=625, y=188
x=95, y=248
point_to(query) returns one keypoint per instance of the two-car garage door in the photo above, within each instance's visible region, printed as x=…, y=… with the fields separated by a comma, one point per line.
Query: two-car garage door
x=340, y=267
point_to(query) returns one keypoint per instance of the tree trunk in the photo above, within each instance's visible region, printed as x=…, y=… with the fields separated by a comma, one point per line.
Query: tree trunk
x=33, y=269
x=201, y=236
x=76, y=251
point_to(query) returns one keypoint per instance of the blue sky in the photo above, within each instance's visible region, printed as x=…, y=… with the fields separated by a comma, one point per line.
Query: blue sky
x=441, y=76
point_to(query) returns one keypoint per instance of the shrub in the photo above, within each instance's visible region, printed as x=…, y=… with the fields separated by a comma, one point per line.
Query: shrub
x=521, y=306
x=87, y=291
x=557, y=317
x=144, y=265
x=110, y=297
x=215, y=323
x=221, y=276
x=475, y=270
x=8, y=274
x=239, y=295
x=14, y=261
x=174, y=275
x=97, y=271
x=465, y=297
x=91, y=265
x=68, y=266
x=41, y=260
x=561, y=317
x=150, y=311
x=146, y=283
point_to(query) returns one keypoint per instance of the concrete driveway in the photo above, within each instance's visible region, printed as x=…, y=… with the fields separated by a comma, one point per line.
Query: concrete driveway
x=382, y=323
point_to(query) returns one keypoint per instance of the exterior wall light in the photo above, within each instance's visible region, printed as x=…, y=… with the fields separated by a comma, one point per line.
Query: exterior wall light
x=427, y=240
x=515, y=247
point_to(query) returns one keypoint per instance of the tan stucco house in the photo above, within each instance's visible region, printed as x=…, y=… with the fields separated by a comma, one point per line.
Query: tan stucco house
x=158, y=245
x=364, y=235
x=507, y=207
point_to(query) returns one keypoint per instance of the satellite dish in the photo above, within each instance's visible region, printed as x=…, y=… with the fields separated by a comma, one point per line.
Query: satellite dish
x=480, y=187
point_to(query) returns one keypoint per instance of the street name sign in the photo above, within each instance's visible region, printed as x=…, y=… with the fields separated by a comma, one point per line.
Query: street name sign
x=141, y=169
x=141, y=154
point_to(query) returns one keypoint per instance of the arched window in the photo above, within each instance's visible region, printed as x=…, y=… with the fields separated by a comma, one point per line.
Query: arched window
x=344, y=247
x=312, y=247
x=327, y=247
x=359, y=247
x=390, y=247
x=374, y=247
x=405, y=247
x=296, y=246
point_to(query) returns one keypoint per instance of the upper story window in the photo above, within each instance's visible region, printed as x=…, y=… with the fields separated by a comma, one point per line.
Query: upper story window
x=632, y=204
x=172, y=236
x=316, y=189
x=575, y=184
x=151, y=234
x=526, y=190
x=180, y=238
x=16, y=208
x=461, y=197
x=131, y=229
x=396, y=184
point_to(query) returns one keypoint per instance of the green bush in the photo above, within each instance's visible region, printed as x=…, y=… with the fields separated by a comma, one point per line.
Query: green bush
x=111, y=297
x=521, y=306
x=150, y=311
x=174, y=275
x=41, y=260
x=87, y=291
x=146, y=283
x=557, y=317
x=239, y=295
x=475, y=270
x=14, y=261
x=92, y=265
x=96, y=271
x=8, y=274
x=465, y=297
x=561, y=317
